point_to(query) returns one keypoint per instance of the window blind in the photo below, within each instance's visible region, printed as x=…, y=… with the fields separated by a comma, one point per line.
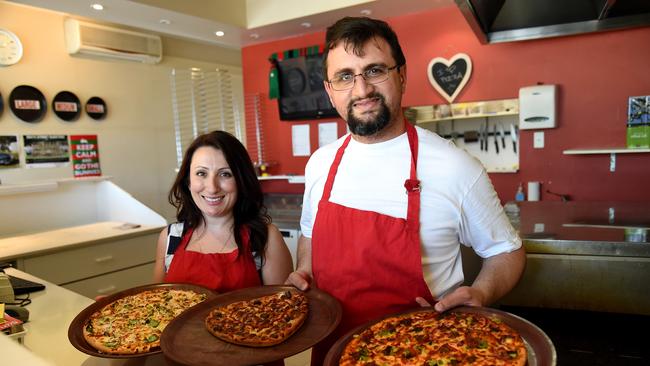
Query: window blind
x=203, y=101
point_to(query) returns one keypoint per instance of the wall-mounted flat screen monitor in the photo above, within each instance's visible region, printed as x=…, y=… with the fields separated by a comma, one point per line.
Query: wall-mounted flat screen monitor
x=302, y=94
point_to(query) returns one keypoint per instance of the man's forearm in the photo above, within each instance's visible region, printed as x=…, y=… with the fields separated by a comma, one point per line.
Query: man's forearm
x=500, y=274
x=303, y=262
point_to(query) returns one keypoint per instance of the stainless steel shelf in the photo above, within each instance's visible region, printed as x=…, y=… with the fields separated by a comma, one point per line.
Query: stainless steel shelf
x=621, y=150
x=468, y=116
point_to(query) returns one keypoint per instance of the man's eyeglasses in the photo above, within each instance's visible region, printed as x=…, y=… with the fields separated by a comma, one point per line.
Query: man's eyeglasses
x=373, y=75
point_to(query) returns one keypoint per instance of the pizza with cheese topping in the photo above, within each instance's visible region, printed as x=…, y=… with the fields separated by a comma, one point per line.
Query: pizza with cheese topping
x=259, y=322
x=430, y=338
x=133, y=324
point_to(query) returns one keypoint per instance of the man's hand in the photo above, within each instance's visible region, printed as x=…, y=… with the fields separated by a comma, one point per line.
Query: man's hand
x=299, y=279
x=463, y=295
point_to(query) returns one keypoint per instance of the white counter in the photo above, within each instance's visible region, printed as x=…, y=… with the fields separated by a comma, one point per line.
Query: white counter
x=67, y=238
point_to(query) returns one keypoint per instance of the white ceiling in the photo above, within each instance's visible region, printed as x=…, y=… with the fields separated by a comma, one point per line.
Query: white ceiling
x=184, y=25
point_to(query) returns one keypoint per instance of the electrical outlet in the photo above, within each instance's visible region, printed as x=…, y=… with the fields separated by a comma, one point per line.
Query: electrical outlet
x=538, y=140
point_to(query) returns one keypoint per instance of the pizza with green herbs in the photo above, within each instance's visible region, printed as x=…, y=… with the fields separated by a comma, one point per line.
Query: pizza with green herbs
x=133, y=324
x=435, y=339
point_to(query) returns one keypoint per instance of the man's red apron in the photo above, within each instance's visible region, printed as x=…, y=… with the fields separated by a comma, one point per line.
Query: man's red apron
x=369, y=261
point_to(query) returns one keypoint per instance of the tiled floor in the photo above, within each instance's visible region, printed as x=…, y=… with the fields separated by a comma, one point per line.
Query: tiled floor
x=593, y=338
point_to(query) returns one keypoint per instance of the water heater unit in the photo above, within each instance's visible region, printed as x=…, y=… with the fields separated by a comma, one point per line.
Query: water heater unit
x=537, y=107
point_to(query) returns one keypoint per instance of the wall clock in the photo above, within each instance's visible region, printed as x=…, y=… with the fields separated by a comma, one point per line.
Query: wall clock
x=11, y=49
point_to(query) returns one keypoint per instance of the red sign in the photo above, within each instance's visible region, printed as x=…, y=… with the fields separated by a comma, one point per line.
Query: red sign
x=85, y=156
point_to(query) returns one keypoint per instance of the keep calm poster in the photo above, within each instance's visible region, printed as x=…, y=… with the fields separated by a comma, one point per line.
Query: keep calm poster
x=85, y=156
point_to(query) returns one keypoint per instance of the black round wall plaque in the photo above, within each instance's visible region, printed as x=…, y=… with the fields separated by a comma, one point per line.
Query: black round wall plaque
x=96, y=108
x=66, y=106
x=27, y=103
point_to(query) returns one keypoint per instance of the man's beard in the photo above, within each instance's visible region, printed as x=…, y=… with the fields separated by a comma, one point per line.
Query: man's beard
x=367, y=128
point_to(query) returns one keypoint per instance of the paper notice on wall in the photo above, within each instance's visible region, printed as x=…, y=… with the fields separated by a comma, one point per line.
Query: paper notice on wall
x=327, y=133
x=300, y=140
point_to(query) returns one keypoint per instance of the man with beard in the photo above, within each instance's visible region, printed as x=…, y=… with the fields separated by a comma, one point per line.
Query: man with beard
x=387, y=206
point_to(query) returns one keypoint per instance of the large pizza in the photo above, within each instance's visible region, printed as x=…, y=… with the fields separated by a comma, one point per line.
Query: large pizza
x=259, y=322
x=133, y=324
x=434, y=339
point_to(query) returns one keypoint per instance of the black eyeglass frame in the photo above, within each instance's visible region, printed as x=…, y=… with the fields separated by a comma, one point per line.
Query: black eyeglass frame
x=362, y=74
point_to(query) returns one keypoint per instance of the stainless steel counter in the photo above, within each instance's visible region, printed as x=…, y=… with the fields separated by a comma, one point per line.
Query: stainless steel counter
x=584, y=255
x=585, y=228
x=587, y=247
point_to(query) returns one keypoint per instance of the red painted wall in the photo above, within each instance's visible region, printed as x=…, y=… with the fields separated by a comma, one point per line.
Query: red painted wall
x=596, y=73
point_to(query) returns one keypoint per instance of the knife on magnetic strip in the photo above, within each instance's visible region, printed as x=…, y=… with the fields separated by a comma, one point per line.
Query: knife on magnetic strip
x=503, y=136
x=513, y=135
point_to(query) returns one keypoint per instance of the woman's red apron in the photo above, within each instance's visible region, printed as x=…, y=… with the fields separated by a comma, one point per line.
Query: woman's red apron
x=222, y=272
x=218, y=271
x=370, y=262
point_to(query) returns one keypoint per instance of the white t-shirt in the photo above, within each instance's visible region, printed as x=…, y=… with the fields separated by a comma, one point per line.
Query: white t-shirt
x=457, y=201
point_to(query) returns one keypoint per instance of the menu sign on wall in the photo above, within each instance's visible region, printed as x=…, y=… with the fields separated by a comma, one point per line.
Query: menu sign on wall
x=85, y=156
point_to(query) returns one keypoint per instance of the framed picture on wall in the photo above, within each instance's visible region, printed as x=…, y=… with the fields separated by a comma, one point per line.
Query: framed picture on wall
x=45, y=151
x=9, y=157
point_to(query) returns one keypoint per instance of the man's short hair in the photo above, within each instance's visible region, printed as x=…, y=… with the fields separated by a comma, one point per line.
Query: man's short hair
x=355, y=32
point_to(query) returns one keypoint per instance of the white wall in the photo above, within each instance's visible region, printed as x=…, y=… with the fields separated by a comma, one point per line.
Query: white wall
x=136, y=139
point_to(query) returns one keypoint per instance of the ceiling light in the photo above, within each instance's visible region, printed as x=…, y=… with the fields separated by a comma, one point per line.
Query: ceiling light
x=219, y=33
x=366, y=12
x=97, y=6
x=165, y=21
x=306, y=24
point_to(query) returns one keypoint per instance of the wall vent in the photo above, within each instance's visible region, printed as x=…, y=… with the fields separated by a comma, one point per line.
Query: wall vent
x=98, y=41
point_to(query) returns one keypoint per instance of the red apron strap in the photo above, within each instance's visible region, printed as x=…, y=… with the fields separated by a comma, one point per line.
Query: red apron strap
x=333, y=169
x=412, y=184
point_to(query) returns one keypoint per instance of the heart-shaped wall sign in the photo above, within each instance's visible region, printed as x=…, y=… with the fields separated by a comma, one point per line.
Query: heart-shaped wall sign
x=449, y=77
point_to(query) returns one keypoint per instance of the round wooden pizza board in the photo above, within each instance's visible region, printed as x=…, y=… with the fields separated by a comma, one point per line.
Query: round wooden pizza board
x=186, y=340
x=541, y=351
x=75, y=330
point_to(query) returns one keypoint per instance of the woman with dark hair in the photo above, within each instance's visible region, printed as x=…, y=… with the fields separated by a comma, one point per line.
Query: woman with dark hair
x=224, y=239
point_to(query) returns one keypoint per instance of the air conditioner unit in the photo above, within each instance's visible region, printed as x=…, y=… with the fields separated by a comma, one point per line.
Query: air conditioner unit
x=93, y=40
